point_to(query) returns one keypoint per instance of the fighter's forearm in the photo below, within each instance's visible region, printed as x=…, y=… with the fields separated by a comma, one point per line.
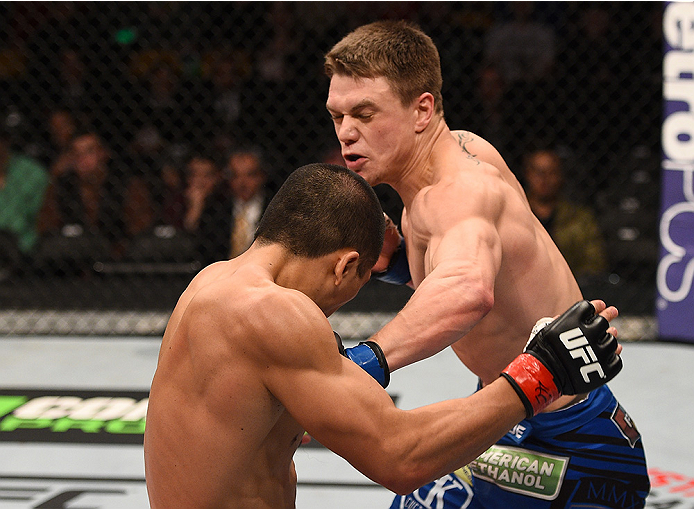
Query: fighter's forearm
x=431, y=441
x=439, y=313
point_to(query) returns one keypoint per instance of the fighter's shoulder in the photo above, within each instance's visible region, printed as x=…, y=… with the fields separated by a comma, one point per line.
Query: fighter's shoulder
x=264, y=312
x=465, y=178
x=478, y=148
x=288, y=324
x=473, y=144
x=282, y=311
x=462, y=192
x=286, y=306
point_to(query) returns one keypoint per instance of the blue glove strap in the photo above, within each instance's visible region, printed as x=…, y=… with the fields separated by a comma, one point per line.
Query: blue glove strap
x=370, y=359
x=398, y=271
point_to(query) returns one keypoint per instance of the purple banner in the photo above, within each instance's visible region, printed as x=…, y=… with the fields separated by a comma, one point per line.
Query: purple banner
x=675, y=303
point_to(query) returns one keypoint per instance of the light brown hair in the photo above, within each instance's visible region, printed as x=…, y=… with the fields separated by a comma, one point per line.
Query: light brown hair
x=396, y=50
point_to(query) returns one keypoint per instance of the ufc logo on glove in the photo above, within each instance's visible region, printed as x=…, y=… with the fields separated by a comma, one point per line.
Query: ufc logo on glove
x=577, y=345
x=548, y=367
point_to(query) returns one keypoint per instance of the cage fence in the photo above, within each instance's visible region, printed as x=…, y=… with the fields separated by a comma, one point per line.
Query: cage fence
x=127, y=120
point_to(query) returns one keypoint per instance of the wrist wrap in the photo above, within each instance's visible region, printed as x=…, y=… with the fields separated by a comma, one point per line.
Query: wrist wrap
x=533, y=383
x=369, y=356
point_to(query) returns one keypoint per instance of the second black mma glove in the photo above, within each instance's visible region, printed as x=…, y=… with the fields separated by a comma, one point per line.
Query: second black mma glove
x=574, y=354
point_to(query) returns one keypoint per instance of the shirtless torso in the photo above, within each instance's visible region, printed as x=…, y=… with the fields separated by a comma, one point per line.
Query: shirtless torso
x=475, y=217
x=249, y=361
x=201, y=367
x=483, y=267
x=246, y=365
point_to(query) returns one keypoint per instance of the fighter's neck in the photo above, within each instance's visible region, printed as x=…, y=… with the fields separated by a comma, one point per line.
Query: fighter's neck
x=283, y=268
x=422, y=168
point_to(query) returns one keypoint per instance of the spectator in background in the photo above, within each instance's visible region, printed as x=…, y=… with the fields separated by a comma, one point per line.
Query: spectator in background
x=247, y=177
x=206, y=194
x=87, y=197
x=62, y=126
x=172, y=203
x=223, y=214
x=23, y=183
x=203, y=180
x=573, y=227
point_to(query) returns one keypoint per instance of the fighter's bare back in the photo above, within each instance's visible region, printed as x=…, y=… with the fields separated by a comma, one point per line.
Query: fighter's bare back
x=248, y=467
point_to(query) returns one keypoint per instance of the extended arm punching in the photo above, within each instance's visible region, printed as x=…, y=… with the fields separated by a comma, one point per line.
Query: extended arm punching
x=574, y=354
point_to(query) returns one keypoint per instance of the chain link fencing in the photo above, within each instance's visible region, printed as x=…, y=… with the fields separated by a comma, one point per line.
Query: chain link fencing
x=123, y=119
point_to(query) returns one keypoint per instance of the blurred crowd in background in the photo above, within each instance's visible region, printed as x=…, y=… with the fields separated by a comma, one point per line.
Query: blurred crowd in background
x=146, y=138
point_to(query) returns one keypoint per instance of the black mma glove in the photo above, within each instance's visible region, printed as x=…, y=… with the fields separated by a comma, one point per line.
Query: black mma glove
x=574, y=354
x=369, y=357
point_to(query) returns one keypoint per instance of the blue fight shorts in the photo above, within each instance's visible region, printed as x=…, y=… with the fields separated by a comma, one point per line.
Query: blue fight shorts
x=587, y=455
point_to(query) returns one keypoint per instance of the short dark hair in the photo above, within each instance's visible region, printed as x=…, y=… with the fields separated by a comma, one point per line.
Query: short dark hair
x=322, y=208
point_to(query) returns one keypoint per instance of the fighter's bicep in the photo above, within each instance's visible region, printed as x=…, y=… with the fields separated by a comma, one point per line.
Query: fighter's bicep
x=339, y=405
x=331, y=406
x=324, y=391
x=471, y=244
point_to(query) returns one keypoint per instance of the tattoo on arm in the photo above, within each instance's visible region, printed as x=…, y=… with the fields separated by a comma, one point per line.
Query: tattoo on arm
x=465, y=137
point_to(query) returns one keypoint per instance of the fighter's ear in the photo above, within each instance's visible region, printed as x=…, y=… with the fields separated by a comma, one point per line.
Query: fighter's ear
x=424, y=111
x=347, y=262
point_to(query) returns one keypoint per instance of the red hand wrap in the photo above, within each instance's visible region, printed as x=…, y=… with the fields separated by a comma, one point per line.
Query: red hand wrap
x=533, y=382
